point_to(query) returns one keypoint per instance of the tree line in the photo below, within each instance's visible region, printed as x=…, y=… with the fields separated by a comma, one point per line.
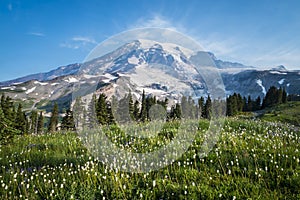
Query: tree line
x=100, y=110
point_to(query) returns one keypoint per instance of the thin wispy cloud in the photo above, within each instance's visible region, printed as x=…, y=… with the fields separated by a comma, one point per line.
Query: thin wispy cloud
x=217, y=45
x=78, y=42
x=288, y=57
x=10, y=7
x=156, y=21
x=85, y=40
x=38, y=34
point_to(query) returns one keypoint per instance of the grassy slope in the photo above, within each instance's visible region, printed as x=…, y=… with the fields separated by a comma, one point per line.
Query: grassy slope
x=252, y=159
x=286, y=113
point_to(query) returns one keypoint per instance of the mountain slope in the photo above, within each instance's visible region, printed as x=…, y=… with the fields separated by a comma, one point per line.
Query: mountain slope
x=161, y=69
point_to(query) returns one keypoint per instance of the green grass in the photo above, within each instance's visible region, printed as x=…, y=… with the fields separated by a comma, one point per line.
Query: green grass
x=286, y=113
x=252, y=159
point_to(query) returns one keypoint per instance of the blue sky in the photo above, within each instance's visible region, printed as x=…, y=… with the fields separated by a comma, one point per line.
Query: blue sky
x=37, y=36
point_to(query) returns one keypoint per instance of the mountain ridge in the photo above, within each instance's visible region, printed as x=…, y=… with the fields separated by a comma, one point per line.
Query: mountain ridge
x=159, y=68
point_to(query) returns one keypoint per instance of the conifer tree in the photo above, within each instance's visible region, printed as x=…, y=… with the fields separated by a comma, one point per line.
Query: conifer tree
x=7, y=131
x=20, y=121
x=33, y=122
x=101, y=109
x=53, y=119
x=200, y=107
x=249, y=104
x=91, y=115
x=284, y=96
x=143, y=113
x=110, y=115
x=130, y=105
x=68, y=121
x=257, y=103
x=40, y=123
x=207, y=108
x=136, y=110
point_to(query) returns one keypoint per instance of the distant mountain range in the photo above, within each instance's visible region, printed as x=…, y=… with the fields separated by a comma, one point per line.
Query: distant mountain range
x=161, y=69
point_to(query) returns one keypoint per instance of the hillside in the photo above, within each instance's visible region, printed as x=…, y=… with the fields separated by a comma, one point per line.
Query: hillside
x=251, y=159
x=285, y=113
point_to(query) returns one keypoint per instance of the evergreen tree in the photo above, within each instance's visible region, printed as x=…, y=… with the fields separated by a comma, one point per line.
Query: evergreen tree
x=40, y=123
x=271, y=97
x=245, y=104
x=249, y=104
x=33, y=122
x=136, y=110
x=91, y=115
x=207, y=108
x=143, y=113
x=257, y=103
x=68, y=121
x=110, y=115
x=78, y=113
x=284, y=96
x=53, y=119
x=175, y=112
x=184, y=107
x=101, y=109
x=279, y=96
x=201, y=107
x=7, y=131
x=130, y=105
x=20, y=121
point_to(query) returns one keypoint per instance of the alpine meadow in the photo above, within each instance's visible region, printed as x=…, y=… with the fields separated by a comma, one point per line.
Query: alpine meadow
x=147, y=104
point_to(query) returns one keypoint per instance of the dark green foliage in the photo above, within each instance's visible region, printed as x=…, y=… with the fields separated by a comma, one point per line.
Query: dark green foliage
x=208, y=108
x=130, y=105
x=68, y=121
x=136, y=110
x=284, y=96
x=91, y=116
x=53, y=119
x=274, y=96
x=7, y=130
x=101, y=109
x=33, y=122
x=200, y=107
x=104, y=111
x=40, y=123
x=20, y=120
x=175, y=112
x=143, y=113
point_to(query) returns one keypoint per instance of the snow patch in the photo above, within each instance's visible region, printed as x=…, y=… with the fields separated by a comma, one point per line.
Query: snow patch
x=259, y=82
x=281, y=81
x=277, y=72
x=288, y=85
x=133, y=60
x=53, y=84
x=37, y=82
x=18, y=83
x=71, y=80
x=30, y=90
x=7, y=88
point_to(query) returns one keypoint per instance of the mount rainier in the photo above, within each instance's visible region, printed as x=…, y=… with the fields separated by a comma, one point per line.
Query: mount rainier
x=161, y=69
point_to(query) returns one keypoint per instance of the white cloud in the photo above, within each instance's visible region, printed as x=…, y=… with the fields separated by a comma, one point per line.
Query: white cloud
x=84, y=40
x=288, y=57
x=39, y=34
x=156, y=21
x=78, y=42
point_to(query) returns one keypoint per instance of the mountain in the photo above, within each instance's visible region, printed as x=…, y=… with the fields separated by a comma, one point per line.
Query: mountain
x=160, y=69
x=61, y=71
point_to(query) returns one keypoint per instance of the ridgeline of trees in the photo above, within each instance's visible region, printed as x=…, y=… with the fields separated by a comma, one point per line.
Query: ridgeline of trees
x=14, y=121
